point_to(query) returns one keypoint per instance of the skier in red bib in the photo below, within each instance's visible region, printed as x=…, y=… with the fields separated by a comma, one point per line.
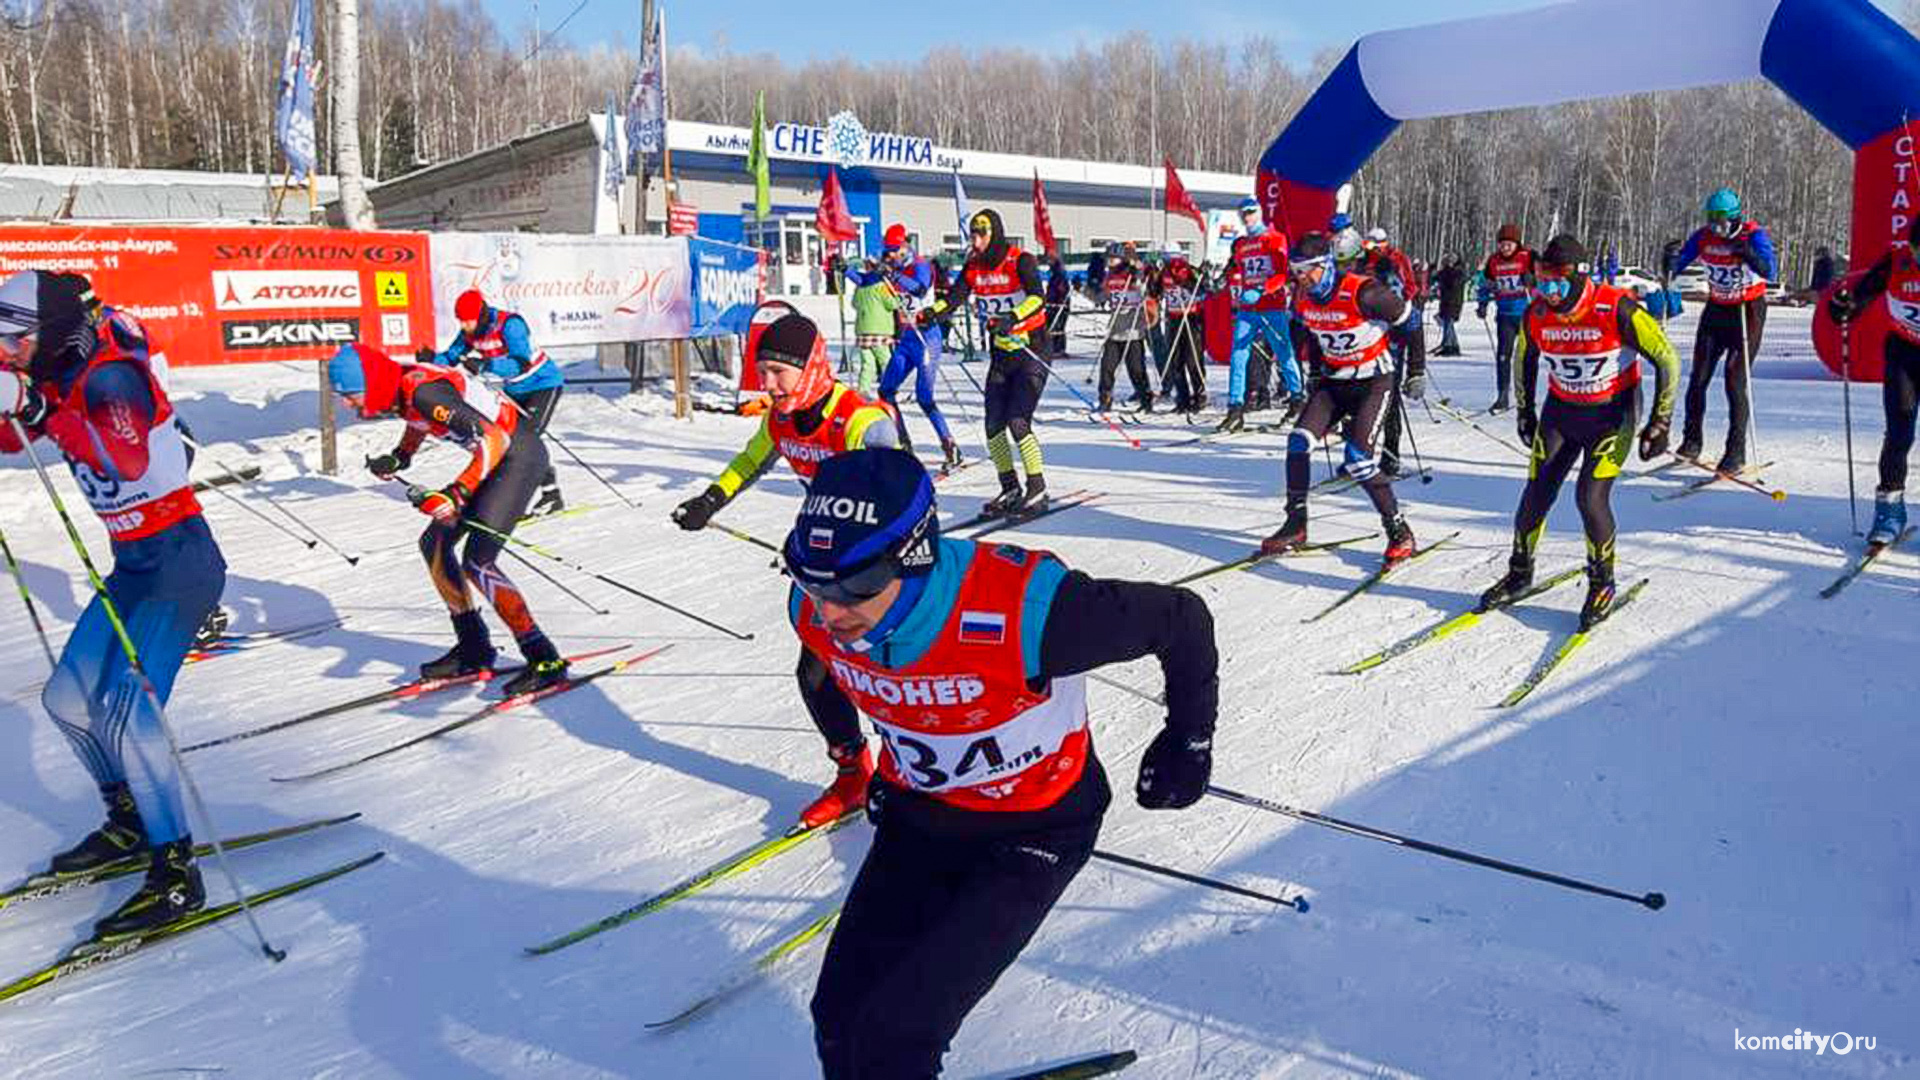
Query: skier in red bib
x=970, y=660
x=1343, y=319
x=1895, y=276
x=813, y=418
x=506, y=469
x=1740, y=261
x=84, y=377
x=1590, y=338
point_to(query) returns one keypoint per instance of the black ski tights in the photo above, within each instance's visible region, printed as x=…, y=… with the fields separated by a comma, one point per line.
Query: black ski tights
x=1600, y=434
x=1900, y=390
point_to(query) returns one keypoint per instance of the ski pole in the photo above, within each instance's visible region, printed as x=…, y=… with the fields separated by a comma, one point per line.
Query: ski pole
x=1413, y=443
x=1297, y=903
x=591, y=471
x=1653, y=901
x=1076, y=393
x=1746, y=370
x=746, y=536
x=1470, y=422
x=309, y=541
x=26, y=597
x=255, y=487
x=508, y=538
x=556, y=583
x=1160, y=699
x=1846, y=410
x=147, y=688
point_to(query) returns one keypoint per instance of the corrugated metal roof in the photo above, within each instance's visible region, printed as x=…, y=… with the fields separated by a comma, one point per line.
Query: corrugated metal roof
x=36, y=193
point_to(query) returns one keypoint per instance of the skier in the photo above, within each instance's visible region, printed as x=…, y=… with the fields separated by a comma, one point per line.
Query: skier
x=1059, y=298
x=1345, y=319
x=1004, y=283
x=497, y=343
x=1507, y=281
x=1450, y=282
x=1739, y=258
x=1177, y=288
x=875, y=306
x=492, y=491
x=83, y=376
x=1896, y=276
x=1257, y=285
x=1588, y=336
x=813, y=417
x=1126, y=287
x=989, y=795
x=916, y=350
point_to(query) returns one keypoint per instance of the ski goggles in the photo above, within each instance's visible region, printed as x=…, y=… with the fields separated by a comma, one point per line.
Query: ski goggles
x=856, y=588
x=1552, y=284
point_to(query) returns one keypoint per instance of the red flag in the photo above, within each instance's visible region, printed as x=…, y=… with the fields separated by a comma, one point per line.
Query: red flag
x=1042, y=221
x=1178, y=201
x=832, y=220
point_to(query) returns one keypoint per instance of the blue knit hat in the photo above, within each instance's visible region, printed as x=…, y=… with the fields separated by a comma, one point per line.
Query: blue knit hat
x=869, y=516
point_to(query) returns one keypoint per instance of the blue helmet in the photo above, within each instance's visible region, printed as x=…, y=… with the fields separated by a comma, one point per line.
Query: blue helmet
x=345, y=373
x=868, y=517
x=1722, y=204
x=1249, y=204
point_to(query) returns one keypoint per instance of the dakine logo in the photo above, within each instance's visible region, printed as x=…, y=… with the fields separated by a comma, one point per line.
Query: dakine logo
x=1560, y=334
x=288, y=333
x=857, y=511
x=261, y=290
x=923, y=690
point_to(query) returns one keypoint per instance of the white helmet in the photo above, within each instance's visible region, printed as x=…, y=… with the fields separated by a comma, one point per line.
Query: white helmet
x=1172, y=250
x=1377, y=235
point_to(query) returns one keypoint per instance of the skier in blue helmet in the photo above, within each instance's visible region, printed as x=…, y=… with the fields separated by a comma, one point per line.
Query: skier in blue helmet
x=1739, y=257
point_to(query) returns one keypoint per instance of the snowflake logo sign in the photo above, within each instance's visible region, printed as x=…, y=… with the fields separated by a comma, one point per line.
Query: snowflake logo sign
x=846, y=139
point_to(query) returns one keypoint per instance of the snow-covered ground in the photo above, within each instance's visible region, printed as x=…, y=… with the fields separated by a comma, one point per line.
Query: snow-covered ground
x=1731, y=740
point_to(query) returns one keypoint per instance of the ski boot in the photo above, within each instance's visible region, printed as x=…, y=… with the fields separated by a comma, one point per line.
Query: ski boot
x=1733, y=462
x=544, y=667
x=950, y=451
x=1400, y=543
x=1259, y=401
x=1292, y=533
x=848, y=790
x=1235, y=420
x=1035, y=499
x=1690, y=445
x=1105, y=404
x=549, y=502
x=1889, y=518
x=1518, y=579
x=1500, y=404
x=471, y=654
x=1390, y=466
x=1599, y=594
x=122, y=837
x=1296, y=404
x=1008, y=500
x=1145, y=401
x=172, y=891
x=212, y=630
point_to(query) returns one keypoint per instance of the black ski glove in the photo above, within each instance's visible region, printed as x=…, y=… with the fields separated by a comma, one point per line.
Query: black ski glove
x=473, y=362
x=423, y=355
x=1841, y=305
x=1174, y=771
x=1526, y=424
x=21, y=399
x=1653, y=438
x=694, y=514
x=1415, y=388
x=387, y=465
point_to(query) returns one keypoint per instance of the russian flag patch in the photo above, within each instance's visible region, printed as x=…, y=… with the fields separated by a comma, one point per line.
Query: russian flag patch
x=820, y=539
x=983, y=627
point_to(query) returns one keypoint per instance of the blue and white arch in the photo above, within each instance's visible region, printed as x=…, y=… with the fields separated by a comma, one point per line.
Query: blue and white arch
x=1849, y=65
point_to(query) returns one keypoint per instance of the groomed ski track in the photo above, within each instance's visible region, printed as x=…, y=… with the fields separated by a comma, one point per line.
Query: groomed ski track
x=1731, y=740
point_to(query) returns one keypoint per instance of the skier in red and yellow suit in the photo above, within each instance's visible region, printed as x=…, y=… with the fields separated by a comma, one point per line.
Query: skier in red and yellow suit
x=970, y=659
x=813, y=417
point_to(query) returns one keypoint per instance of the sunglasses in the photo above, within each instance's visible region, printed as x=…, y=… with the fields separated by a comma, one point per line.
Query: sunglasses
x=856, y=588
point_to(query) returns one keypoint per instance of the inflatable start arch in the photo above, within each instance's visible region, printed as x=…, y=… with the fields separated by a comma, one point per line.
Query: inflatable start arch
x=1851, y=67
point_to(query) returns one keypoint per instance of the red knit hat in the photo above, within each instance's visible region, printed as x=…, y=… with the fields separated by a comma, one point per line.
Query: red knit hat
x=469, y=306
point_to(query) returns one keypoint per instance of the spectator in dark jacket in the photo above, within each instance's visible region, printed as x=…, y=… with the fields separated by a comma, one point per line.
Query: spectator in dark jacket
x=1059, y=299
x=1451, y=284
x=1822, y=271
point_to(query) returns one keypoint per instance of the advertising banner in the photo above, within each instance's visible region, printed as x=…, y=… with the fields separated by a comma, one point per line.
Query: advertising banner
x=571, y=290
x=222, y=296
x=728, y=283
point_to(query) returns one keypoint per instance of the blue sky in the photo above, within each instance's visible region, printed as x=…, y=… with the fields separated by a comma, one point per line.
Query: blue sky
x=827, y=28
